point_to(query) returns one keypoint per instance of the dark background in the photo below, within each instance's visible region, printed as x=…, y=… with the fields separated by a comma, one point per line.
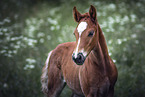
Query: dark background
x=29, y=29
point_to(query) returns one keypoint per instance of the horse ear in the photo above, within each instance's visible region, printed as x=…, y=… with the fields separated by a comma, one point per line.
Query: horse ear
x=77, y=15
x=92, y=13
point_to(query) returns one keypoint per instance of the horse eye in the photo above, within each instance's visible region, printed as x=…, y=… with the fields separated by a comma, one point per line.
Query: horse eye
x=91, y=33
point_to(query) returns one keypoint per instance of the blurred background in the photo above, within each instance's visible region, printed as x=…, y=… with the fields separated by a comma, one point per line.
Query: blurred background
x=29, y=29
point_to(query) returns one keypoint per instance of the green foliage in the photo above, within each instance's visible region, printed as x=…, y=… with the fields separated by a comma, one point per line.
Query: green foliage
x=34, y=27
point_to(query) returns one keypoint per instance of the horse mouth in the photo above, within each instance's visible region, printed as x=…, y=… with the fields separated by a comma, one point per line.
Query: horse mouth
x=80, y=59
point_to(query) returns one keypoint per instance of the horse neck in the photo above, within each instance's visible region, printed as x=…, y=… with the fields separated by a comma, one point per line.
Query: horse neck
x=103, y=45
x=101, y=51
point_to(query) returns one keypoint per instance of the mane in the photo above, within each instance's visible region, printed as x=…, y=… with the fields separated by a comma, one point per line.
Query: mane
x=104, y=48
x=102, y=41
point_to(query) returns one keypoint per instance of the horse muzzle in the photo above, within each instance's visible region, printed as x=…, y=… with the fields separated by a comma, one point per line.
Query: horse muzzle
x=79, y=59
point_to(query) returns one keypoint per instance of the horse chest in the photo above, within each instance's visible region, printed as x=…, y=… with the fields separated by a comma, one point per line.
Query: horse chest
x=71, y=77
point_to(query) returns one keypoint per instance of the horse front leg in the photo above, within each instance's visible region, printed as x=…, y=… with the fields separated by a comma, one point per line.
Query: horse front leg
x=111, y=92
x=99, y=92
x=75, y=95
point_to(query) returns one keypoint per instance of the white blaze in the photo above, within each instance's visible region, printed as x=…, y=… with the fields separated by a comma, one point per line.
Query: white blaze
x=81, y=28
x=77, y=49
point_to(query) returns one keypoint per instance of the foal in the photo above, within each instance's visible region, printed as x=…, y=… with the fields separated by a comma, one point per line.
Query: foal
x=84, y=65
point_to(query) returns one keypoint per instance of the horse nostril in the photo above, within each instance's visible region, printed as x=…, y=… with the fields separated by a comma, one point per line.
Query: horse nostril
x=80, y=56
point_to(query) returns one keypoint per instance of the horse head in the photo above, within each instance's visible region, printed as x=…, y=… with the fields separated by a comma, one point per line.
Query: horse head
x=86, y=34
